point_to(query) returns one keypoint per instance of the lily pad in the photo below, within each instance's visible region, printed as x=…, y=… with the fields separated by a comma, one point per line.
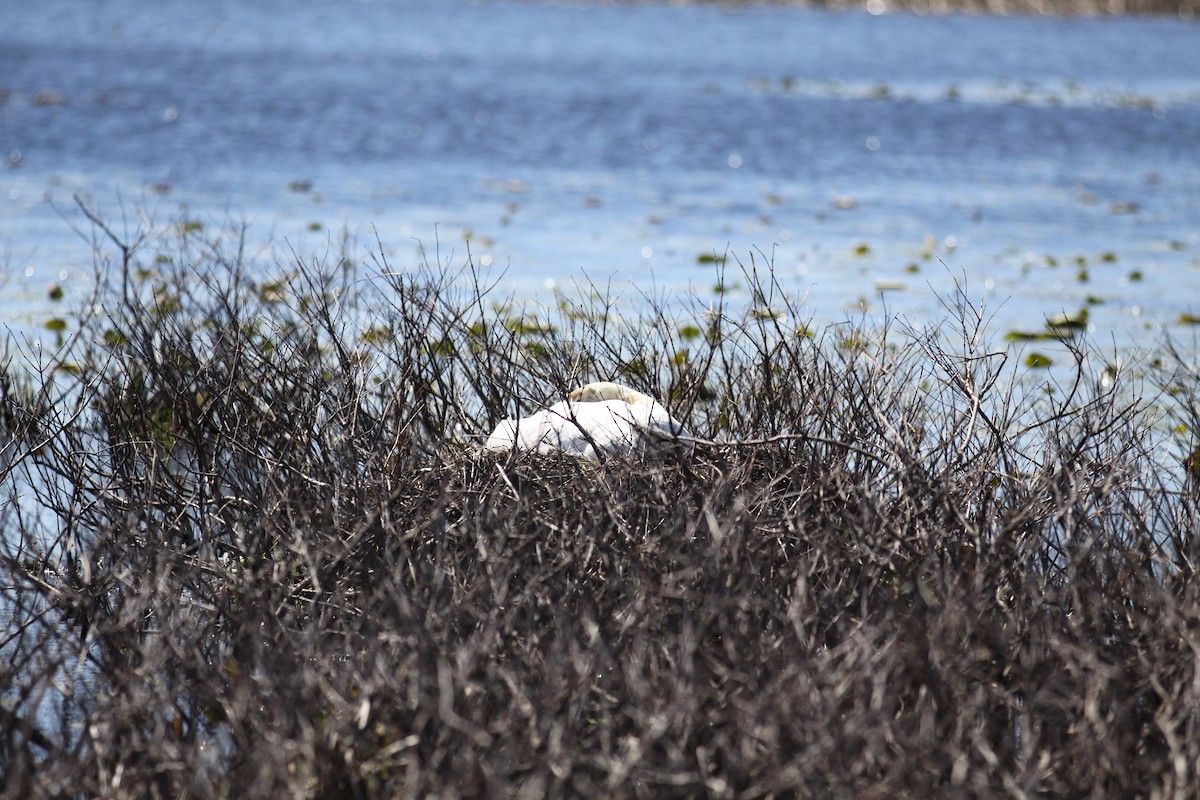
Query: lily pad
x=1037, y=361
x=1067, y=322
x=529, y=326
x=1191, y=463
x=1025, y=336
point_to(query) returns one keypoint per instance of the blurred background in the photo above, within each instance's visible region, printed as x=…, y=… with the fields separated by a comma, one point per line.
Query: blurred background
x=1048, y=164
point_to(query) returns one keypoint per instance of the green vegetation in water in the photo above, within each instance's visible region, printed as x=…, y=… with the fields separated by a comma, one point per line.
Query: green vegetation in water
x=1023, y=336
x=375, y=335
x=529, y=325
x=1038, y=361
x=1069, y=322
x=1191, y=464
x=57, y=326
x=1062, y=326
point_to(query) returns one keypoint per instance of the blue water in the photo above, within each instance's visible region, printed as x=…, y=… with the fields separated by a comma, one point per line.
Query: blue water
x=623, y=142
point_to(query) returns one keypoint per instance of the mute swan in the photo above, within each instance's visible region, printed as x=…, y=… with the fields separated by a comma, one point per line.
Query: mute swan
x=596, y=418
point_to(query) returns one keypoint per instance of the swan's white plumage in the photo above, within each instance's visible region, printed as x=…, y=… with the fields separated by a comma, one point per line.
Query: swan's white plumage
x=604, y=417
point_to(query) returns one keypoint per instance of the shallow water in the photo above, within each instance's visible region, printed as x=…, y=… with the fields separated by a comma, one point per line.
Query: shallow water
x=1050, y=164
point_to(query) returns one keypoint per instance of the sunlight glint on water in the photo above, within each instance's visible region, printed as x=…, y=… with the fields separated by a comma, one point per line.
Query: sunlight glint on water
x=1050, y=163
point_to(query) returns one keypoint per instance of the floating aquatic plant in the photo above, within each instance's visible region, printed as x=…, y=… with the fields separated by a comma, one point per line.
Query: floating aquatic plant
x=1025, y=336
x=1068, y=322
x=1038, y=361
x=529, y=325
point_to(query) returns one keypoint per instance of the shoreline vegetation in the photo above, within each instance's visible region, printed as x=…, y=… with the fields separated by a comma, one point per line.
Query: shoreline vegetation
x=1187, y=9
x=252, y=547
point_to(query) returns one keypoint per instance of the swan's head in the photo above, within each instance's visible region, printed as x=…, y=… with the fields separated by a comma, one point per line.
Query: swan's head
x=605, y=390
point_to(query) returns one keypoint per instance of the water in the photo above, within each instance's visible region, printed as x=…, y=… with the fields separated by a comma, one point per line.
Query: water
x=1052, y=164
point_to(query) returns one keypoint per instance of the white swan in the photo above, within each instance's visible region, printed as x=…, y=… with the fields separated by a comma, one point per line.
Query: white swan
x=596, y=418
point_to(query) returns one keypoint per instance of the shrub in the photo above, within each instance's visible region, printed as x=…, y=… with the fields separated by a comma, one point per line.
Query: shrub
x=252, y=548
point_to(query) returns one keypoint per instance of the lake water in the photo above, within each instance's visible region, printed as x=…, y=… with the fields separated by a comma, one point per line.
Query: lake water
x=1052, y=164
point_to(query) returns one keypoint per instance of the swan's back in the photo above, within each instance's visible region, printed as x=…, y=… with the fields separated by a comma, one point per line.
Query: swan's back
x=598, y=418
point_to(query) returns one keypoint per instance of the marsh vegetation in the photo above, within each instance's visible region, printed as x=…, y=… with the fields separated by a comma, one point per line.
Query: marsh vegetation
x=251, y=547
